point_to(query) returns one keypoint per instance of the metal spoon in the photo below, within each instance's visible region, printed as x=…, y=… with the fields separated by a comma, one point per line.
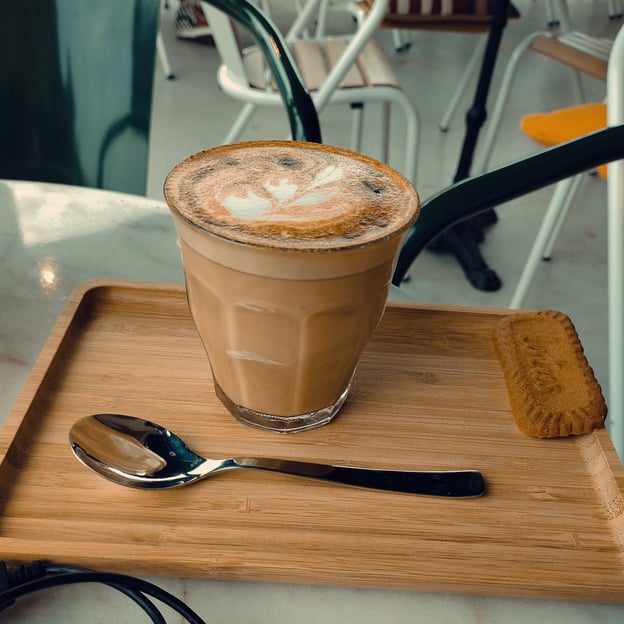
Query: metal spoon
x=138, y=453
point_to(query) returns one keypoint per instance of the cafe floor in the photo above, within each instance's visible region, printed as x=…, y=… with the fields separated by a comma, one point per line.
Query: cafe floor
x=190, y=113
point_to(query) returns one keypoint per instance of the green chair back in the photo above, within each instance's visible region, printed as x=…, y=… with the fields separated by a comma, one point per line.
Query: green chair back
x=472, y=196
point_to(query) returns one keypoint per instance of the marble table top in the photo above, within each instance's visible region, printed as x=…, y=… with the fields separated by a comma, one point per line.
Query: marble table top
x=52, y=238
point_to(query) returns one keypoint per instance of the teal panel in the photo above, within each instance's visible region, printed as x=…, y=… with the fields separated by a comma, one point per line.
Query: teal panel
x=76, y=91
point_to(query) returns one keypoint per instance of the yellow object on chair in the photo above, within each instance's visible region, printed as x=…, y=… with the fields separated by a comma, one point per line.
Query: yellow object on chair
x=566, y=124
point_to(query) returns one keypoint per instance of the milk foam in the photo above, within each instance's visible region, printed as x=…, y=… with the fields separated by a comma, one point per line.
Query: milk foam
x=291, y=194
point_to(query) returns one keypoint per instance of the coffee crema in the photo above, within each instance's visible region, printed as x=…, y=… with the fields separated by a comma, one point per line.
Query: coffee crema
x=290, y=194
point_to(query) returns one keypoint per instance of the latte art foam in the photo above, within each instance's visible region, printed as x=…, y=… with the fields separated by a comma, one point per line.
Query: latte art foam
x=291, y=194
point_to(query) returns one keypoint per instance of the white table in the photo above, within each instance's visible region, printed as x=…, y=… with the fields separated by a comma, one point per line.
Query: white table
x=54, y=237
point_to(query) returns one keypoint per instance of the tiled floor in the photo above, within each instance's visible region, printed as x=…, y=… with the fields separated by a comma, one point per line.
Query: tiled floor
x=190, y=113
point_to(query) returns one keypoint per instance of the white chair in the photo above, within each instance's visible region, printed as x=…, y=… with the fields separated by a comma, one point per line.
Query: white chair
x=349, y=70
x=401, y=25
x=582, y=53
x=402, y=19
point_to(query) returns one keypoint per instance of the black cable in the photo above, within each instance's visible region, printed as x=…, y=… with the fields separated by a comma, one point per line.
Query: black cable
x=23, y=580
x=20, y=575
x=142, y=601
x=108, y=579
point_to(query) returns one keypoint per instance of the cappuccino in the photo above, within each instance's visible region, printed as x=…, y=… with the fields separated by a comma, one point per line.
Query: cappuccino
x=288, y=250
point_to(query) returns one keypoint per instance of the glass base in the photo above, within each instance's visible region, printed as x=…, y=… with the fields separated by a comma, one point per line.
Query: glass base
x=282, y=424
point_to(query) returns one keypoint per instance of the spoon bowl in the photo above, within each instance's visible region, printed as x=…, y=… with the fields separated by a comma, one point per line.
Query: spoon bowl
x=138, y=453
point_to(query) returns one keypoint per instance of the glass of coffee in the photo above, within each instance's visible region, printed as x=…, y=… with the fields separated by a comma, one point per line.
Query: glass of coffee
x=288, y=250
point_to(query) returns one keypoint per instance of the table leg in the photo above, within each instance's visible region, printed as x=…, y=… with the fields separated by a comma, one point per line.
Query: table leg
x=463, y=239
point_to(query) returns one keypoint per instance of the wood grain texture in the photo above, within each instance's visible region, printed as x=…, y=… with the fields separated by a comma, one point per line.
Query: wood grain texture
x=577, y=59
x=429, y=394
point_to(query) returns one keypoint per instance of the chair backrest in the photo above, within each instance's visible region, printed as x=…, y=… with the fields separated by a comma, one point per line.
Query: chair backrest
x=454, y=16
x=581, y=51
x=76, y=91
x=578, y=50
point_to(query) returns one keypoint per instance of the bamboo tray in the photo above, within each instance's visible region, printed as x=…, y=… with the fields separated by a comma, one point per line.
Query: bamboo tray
x=429, y=394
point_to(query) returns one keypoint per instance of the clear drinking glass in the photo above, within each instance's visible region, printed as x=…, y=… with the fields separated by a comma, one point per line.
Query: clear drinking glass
x=288, y=250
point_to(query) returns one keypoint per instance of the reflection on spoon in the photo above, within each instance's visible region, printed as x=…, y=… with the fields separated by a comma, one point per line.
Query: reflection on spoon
x=139, y=453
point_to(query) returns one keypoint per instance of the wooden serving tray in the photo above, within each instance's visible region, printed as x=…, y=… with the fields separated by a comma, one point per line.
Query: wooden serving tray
x=429, y=394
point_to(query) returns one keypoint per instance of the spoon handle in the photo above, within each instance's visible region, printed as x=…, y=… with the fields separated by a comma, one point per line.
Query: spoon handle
x=457, y=483
x=453, y=483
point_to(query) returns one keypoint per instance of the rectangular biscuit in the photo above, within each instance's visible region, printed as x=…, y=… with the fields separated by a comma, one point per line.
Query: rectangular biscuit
x=552, y=389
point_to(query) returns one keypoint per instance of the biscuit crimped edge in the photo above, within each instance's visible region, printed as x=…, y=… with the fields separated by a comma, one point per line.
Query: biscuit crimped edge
x=552, y=388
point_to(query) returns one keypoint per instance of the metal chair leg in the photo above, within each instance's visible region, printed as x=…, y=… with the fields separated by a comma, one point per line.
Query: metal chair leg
x=163, y=57
x=563, y=213
x=464, y=82
x=239, y=125
x=384, y=129
x=615, y=9
x=563, y=191
x=357, y=110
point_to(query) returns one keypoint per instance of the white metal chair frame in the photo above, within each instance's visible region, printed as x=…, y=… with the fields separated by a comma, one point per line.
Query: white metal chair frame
x=163, y=56
x=232, y=77
x=161, y=50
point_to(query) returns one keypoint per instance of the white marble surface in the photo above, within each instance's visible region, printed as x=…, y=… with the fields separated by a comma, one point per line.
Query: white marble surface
x=55, y=237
